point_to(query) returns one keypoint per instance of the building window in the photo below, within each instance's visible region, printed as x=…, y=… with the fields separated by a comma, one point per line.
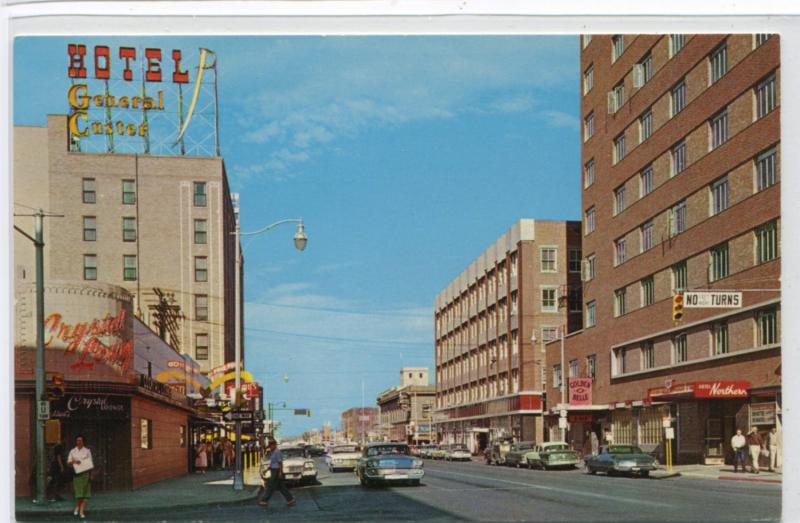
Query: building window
x=557, y=375
x=573, y=368
x=622, y=361
x=201, y=307
x=182, y=436
x=590, y=267
x=718, y=127
x=678, y=155
x=719, y=62
x=588, y=79
x=760, y=38
x=678, y=219
x=588, y=173
x=719, y=262
x=676, y=43
x=680, y=348
x=200, y=199
x=766, y=169
x=619, y=148
x=591, y=366
x=201, y=346
x=620, y=251
x=588, y=126
x=589, y=220
x=719, y=195
x=767, y=242
x=128, y=229
x=616, y=98
x=201, y=231
x=89, y=190
x=548, y=259
x=89, y=266
x=574, y=298
x=720, y=338
x=549, y=299
x=619, y=199
x=89, y=228
x=574, y=261
x=768, y=327
x=146, y=434
x=648, y=291
x=647, y=68
x=200, y=268
x=646, y=181
x=620, y=301
x=648, y=355
x=766, y=97
x=617, y=47
x=647, y=236
x=678, y=98
x=591, y=308
x=128, y=192
x=645, y=126
x=549, y=334
x=586, y=40
x=680, y=277
x=129, y=267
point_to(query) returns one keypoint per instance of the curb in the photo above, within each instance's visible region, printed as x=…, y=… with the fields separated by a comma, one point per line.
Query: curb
x=753, y=480
x=111, y=511
x=665, y=475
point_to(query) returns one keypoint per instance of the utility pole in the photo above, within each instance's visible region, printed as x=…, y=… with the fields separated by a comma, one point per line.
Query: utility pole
x=238, y=480
x=564, y=375
x=42, y=404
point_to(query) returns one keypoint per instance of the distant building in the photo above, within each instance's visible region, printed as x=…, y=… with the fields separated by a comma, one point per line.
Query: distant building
x=359, y=422
x=406, y=410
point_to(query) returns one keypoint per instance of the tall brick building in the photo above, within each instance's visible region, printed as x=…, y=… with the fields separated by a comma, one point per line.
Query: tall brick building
x=146, y=223
x=489, y=374
x=359, y=422
x=681, y=191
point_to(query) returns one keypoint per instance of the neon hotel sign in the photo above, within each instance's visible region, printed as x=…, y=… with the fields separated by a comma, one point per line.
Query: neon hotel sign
x=81, y=99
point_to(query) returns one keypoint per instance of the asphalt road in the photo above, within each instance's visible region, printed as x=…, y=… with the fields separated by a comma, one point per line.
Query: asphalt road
x=476, y=492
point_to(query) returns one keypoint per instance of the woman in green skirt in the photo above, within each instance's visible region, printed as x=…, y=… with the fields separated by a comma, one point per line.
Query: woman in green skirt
x=80, y=482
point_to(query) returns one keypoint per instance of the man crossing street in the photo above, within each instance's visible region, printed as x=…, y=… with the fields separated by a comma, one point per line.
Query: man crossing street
x=276, y=477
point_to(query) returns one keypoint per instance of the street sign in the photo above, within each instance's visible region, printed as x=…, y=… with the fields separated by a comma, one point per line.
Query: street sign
x=259, y=414
x=301, y=412
x=238, y=416
x=562, y=423
x=43, y=410
x=669, y=433
x=563, y=413
x=666, y=422
x=712, y=300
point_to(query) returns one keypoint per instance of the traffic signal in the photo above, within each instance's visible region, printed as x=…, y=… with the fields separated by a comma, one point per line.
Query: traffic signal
x=55, y=385
x=677, y=308
x=308, y=413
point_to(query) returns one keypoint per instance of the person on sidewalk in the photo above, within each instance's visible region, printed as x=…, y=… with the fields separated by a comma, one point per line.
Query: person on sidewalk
x=756, y=443
x=774, y=444
x=276, y=477
x=738, y=443
x=201, y=459
x=58, y=473
x=81, y=484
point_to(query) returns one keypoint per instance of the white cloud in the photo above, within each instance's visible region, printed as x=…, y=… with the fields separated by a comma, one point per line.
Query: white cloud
x=561, y=119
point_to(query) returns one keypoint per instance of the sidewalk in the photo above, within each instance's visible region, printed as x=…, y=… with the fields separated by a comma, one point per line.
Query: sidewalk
x=191, y=490
x=725, y=472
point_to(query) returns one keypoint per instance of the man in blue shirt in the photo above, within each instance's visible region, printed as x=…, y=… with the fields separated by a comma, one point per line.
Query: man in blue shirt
x=276, y=477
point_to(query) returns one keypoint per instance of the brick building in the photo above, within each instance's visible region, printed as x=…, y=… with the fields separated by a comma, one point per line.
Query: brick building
x=681, y=191
x=405, y=410
x=142, y=222
x=489, y=369
x=359, y=423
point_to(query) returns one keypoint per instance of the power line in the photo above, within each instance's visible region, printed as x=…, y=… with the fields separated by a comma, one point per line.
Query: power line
x=429, y=345
x=348, y=311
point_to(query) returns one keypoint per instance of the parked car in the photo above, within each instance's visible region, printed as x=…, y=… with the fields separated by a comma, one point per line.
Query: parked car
x=552, y=455
x=457, y=452
x=343, y=457
x=425, y=451
x=297, y=466
x=500, y=448
x=315, y=452
x=388, y=463
x=621, y=459
x=517, y=454
x=438, y=452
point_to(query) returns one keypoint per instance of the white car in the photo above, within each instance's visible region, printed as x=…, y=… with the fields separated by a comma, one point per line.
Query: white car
x=457, y=453
x=297, y=466
x=343, y=457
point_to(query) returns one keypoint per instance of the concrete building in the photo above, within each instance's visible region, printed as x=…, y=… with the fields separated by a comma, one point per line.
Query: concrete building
x=157, y=226
x=359, y=422
x=681, y=191
x=489, y=369
x=406, y=410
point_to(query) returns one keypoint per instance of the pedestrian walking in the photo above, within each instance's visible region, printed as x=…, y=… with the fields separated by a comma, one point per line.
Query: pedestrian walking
x=80, y=458
x=774, y=444
x=276, y=477
x=201, y=459
x=595, y=443
x=58, y=473
x=756, y=443
x=229, y=454
x=738, y=443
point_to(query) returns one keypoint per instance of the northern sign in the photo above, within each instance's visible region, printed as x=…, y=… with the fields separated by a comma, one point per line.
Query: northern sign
x=712, y=300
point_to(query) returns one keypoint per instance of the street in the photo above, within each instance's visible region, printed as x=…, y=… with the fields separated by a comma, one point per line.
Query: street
x=475, y=492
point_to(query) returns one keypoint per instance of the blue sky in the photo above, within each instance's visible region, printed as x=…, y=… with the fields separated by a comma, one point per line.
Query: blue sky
x=405, y=156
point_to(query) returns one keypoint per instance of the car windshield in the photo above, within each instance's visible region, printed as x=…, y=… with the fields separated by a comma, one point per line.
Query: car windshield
x=387, y=449
x=624, y=449
x=293, y=453
x=524, y=446
x=557, y=446
x=339, y=450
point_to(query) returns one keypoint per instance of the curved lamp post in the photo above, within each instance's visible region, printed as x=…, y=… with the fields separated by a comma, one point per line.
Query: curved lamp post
x=300, y=242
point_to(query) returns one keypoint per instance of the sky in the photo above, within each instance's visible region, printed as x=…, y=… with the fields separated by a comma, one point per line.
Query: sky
x=406, y=157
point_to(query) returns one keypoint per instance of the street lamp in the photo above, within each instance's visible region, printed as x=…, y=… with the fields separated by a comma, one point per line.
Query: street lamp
x=300, y=241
